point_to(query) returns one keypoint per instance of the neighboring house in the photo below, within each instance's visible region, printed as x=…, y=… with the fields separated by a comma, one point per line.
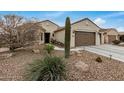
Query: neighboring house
x=121, y=36
x=83, y=33
x=49, y=27
x=110, y=35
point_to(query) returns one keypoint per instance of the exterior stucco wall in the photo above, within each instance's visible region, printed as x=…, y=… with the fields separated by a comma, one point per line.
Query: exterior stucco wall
x=85, y=25
x=60, y=36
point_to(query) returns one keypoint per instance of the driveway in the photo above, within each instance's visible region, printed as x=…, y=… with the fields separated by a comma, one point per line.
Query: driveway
x=116, y=52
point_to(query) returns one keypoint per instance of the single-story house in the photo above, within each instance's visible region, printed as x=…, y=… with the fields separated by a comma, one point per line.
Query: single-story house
x=83, y=33
x=110, y=35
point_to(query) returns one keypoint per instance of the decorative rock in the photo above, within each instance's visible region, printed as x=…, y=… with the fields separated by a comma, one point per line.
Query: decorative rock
x=81, y=66
x=37, y=51
x=4, y=49
x=79, y=55
x=72, y=53
x=6, y=55
x=78, y=52
x=9, y=55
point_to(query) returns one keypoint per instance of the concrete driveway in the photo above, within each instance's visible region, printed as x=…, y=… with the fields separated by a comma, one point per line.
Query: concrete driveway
x=116, y=52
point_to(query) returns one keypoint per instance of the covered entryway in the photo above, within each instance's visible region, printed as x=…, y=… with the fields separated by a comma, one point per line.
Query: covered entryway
x=84, y=38
x=47, y=37
x=111, y=38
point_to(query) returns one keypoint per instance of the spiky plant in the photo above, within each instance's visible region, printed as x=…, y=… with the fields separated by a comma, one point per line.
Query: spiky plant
x=67, y=37
x=48, y=69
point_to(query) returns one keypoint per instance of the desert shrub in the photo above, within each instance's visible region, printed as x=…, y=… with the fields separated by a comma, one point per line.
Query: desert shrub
x=49, y=48
x=48, y=69
x=116, y=42
x=98, y=59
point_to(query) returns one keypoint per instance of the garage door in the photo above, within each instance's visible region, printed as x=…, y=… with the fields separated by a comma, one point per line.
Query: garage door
x=84, y=38
x=111, y=38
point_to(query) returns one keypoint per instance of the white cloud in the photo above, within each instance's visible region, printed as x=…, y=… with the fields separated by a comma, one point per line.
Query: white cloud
x=55, y=14
x=114, y=15
x=99, y=21
x=120, y=29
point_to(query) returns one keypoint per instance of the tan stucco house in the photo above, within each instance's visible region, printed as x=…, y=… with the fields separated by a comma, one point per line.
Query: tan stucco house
x=110, y=35
x=83, y=33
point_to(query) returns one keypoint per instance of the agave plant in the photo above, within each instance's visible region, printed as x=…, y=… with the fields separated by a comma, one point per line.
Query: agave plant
x=48, y=69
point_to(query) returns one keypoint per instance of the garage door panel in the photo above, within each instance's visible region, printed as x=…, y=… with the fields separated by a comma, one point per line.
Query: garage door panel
x=84, y=38
x=111, y=38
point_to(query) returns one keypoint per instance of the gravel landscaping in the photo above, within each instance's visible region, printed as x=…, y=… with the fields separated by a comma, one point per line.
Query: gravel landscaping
x=14, y=68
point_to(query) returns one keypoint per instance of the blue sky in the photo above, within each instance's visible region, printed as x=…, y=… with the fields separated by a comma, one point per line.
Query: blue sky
x=105, y=19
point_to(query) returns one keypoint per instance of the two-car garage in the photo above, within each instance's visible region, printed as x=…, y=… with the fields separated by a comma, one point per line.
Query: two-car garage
x=83, y=33
x=84, y=38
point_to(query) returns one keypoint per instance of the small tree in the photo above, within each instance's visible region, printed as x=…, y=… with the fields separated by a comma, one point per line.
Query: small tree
x=67, y=37
x=16, y=31
x=8, y=25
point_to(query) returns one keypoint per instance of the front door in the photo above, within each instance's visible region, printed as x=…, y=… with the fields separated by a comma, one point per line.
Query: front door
x=47, y=37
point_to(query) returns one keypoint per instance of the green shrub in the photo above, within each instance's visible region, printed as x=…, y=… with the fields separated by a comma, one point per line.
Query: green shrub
x=98, y=59
x=116, y=42
x=49, y=48
x=48, y=69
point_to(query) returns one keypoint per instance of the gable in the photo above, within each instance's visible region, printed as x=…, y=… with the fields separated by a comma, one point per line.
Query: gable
x=112, y=32
x=85, y=25
x=49, y=26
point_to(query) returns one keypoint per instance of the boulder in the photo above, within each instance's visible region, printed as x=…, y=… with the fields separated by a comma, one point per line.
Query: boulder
x=37, y=51
x=78, y=53
x=4, y=49
x=81, y=66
